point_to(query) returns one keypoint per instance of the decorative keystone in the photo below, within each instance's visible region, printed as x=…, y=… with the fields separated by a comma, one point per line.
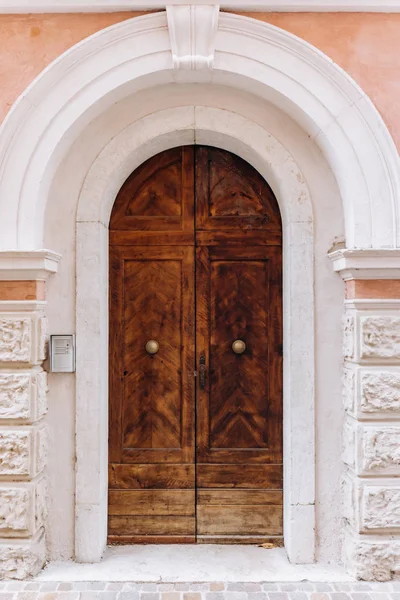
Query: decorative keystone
x=192, y=31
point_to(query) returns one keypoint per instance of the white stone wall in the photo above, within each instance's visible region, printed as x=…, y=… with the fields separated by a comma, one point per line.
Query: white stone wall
x=371, y=438
x=23, y=439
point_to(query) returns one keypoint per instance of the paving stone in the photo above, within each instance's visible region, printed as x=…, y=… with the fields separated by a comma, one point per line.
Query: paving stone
x=270, y=587
x=182, y=587
x=89, y=595
x=15, y=585
x=131, y=595
x=235, y=587
x=115, y=586
x=298, y=596
x=340, y=596
x=235, y=595
x=215, y=596
x=218, y=586
x=174, y=596
x=288, y=587
x=166, y=587
x=319, y=596
x=149, y=596
x=361, y=596
x=252, y=587
x=6, y=596
x=342, y=587
x=257, y=596
x=49, y=586
x=380, y=596
x=361, y=586
x=149, y=587
x=192, y=596
x=322, y=587
x=278, y=596
x=396, y=586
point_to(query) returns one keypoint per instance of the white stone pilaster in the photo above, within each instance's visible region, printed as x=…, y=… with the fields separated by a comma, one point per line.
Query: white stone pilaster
x=23, y=435
x=371, y=434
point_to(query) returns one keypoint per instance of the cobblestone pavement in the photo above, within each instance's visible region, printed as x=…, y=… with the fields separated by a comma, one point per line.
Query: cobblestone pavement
x=49, y=590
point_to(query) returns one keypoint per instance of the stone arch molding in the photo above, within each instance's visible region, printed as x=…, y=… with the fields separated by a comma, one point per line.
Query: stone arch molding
x=197, y=44
x=126, y=151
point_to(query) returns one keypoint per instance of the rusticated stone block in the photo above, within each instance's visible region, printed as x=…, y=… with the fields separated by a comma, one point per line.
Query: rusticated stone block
x=23, y=395
x=22, y=560
x=15, y=395
x=380, y=391
x=16, y=506
x=380, y=337
x=42, y=338
x=381, y=508
x=348, y=496
x=41, y=394
x=349, y=389
x=41, y=494
x=380, y=450
x=348, y=336
x=15, y=450
x=349, y=445
x=41, y=444
x=15, y=339
x=372, y=561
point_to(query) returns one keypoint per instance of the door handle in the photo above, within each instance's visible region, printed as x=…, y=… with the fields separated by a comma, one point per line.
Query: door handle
x=202, y=371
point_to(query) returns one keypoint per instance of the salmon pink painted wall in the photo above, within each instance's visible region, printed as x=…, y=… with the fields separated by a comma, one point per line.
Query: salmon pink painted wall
x=366, y=45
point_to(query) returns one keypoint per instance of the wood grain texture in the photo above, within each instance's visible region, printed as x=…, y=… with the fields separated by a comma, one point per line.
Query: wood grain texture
x=255, y=540
x=151, y=525
x=151, y=502
x=239, y=520
x=195, y=253
x=238, y=497
x=142, y=477
x=253, y=476
x=152, y=539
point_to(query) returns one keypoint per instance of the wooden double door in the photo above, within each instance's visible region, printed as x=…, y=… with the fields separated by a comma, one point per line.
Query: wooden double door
x=195, y=430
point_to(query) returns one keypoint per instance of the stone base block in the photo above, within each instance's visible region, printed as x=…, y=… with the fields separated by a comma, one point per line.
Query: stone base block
x=372, y=558
x=19, y=560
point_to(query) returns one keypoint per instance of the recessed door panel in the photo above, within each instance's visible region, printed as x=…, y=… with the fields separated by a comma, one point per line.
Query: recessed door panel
x=152, y=416
x=195, y=353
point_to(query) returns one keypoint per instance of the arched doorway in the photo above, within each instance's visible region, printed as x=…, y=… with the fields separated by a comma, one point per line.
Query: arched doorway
x=195, y=429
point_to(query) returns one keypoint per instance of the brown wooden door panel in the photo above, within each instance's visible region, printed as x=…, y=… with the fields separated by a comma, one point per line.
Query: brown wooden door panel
x=232, y=195
x=251, y=476
x=238, y=412
x=154, y=394
x=224, y=469
x=142, y=477
x=151, y=502
x=239, y=520
x=152, y=525
x=157, y=198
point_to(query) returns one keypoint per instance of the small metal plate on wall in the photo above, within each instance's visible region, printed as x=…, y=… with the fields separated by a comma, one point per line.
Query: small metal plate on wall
x=62, y=353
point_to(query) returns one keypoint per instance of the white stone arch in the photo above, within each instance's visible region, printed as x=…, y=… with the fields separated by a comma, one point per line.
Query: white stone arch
x=125, y=152
x=259, y=57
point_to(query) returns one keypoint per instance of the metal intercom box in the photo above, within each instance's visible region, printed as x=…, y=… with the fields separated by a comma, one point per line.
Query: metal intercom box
x=62, y=353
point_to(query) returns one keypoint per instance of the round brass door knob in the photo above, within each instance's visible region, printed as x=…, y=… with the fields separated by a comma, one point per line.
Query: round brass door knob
x=238, y=346
x=152, y=347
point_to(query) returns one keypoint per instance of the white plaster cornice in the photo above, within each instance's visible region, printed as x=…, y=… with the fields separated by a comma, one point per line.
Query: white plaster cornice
x=192, y=30
x=59, y=6
x=16, y=265
x=367, y=264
